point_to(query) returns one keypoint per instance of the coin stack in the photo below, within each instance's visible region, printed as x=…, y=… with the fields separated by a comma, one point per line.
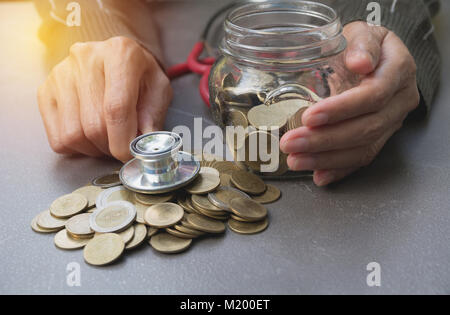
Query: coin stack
x=269, y=114
x=106, y=219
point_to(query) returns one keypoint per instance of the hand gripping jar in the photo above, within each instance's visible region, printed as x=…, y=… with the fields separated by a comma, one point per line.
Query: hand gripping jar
x=278, y=58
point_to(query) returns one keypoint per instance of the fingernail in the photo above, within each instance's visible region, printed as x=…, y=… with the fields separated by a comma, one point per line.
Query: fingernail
x=325, y=179
x=295, y=145
x=317, y=120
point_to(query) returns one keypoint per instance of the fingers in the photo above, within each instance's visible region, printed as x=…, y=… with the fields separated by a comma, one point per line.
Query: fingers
x=71, y=131
x=153, y=102
x=326, y=177
x=122, y=86
x=49, y=113
x=364, y=47
x=341, y=159
x=396, y=70
x=351, y=133
x=91, y=88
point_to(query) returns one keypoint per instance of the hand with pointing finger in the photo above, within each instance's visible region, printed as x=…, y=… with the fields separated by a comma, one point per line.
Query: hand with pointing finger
x=98, y=99
x=346, y=132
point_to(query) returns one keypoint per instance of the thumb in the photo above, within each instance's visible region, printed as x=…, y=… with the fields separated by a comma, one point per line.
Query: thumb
x=364, y=47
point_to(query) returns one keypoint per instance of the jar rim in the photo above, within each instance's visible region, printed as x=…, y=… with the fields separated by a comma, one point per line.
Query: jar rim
x=310, y=31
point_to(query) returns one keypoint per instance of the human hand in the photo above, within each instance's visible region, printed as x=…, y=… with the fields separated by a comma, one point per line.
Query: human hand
x=98, y=99
x=346, y=132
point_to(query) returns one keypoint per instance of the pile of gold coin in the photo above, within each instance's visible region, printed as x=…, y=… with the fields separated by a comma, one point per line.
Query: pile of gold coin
x=267, y=115
x=106, y=220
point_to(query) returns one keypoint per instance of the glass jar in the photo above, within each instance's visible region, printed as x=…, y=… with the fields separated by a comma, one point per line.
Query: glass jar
x=278, y=58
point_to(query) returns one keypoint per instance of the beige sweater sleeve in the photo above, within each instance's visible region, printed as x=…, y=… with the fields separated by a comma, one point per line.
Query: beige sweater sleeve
x=100, y=20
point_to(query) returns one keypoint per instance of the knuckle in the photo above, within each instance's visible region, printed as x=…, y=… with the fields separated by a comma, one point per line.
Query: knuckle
x=325, y=142
x=116, y=110
x=93, y=132
x=72, y=136
x=373, y=130
x=369, y=155
x=123, y=42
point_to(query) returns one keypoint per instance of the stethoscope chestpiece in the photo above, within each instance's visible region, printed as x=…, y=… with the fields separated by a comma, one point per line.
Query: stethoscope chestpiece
x=158, y=165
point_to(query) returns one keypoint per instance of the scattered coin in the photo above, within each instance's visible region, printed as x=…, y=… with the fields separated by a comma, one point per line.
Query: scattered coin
x=223, y=196
x=272, y=194
x=107, y=181
x=154, y=199
x=90, y=192
x=140, y=234
x=225, y=180
x=151, y=231
x=38, y=229
x=80, y=226
x=179, y=234
x=140, y=212
x=187, y=230
x=202, y=202
x=206, y=225
x=46, y=221
x=248, y=182
x=68, y=206
x=164, y=215
x=127, y=235
x=116, y=217
x=104, y=249
x=64, y=241
x=112, y=194
x=247, y=227
x=248, y=209
x=169, y=244
x=210, y=170
x=205, y=183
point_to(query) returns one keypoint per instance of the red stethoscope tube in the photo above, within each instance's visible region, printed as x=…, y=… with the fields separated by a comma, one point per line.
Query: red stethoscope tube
x=195, y=65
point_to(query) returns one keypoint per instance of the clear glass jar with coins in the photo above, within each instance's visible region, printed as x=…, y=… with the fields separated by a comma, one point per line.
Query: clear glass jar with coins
x=278, y=58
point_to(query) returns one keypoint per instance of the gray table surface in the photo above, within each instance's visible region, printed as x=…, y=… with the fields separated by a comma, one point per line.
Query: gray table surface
x=396, y=212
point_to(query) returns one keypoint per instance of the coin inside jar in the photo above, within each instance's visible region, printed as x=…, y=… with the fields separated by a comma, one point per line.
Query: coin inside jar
x=248, y=182
x=163, y=215
x=80, y=225
x=68, y=206
x=116, y=217
x=169, y=244
x=248, y=209
x=104, y=249
x=266, y=117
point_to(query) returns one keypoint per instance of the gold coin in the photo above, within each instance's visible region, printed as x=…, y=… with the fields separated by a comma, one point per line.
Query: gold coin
x=248, y=228
x=225, y=180
x=36, y=228
x=257, y=143
x=163, y=215
x=140, y=234
x=104, y=249
x=90, y=192
x=46, y=221
x=80, y=225
x=210, y=170
x=120, y=195
x=107, y=181
x=272, y=194
x=69, y=205
x=237, y=118
x=290, y=107
x=213, y=215
x=203, y=202
x=151, y=200
x=116, y=217
x=187, y=230
x=296, y=120
x=235, y=217
x=248, y=182
x=127, y=235
x=205, y=224
x=179, y=234
x=140, y=210
x=225, y=167
x=223, y=195
x=267, y=118
x=169, y=244
x=64, y=241
x=203, y=184
x=151, y=231
x=283, y=167
x=248, y=209
x=182, y=202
